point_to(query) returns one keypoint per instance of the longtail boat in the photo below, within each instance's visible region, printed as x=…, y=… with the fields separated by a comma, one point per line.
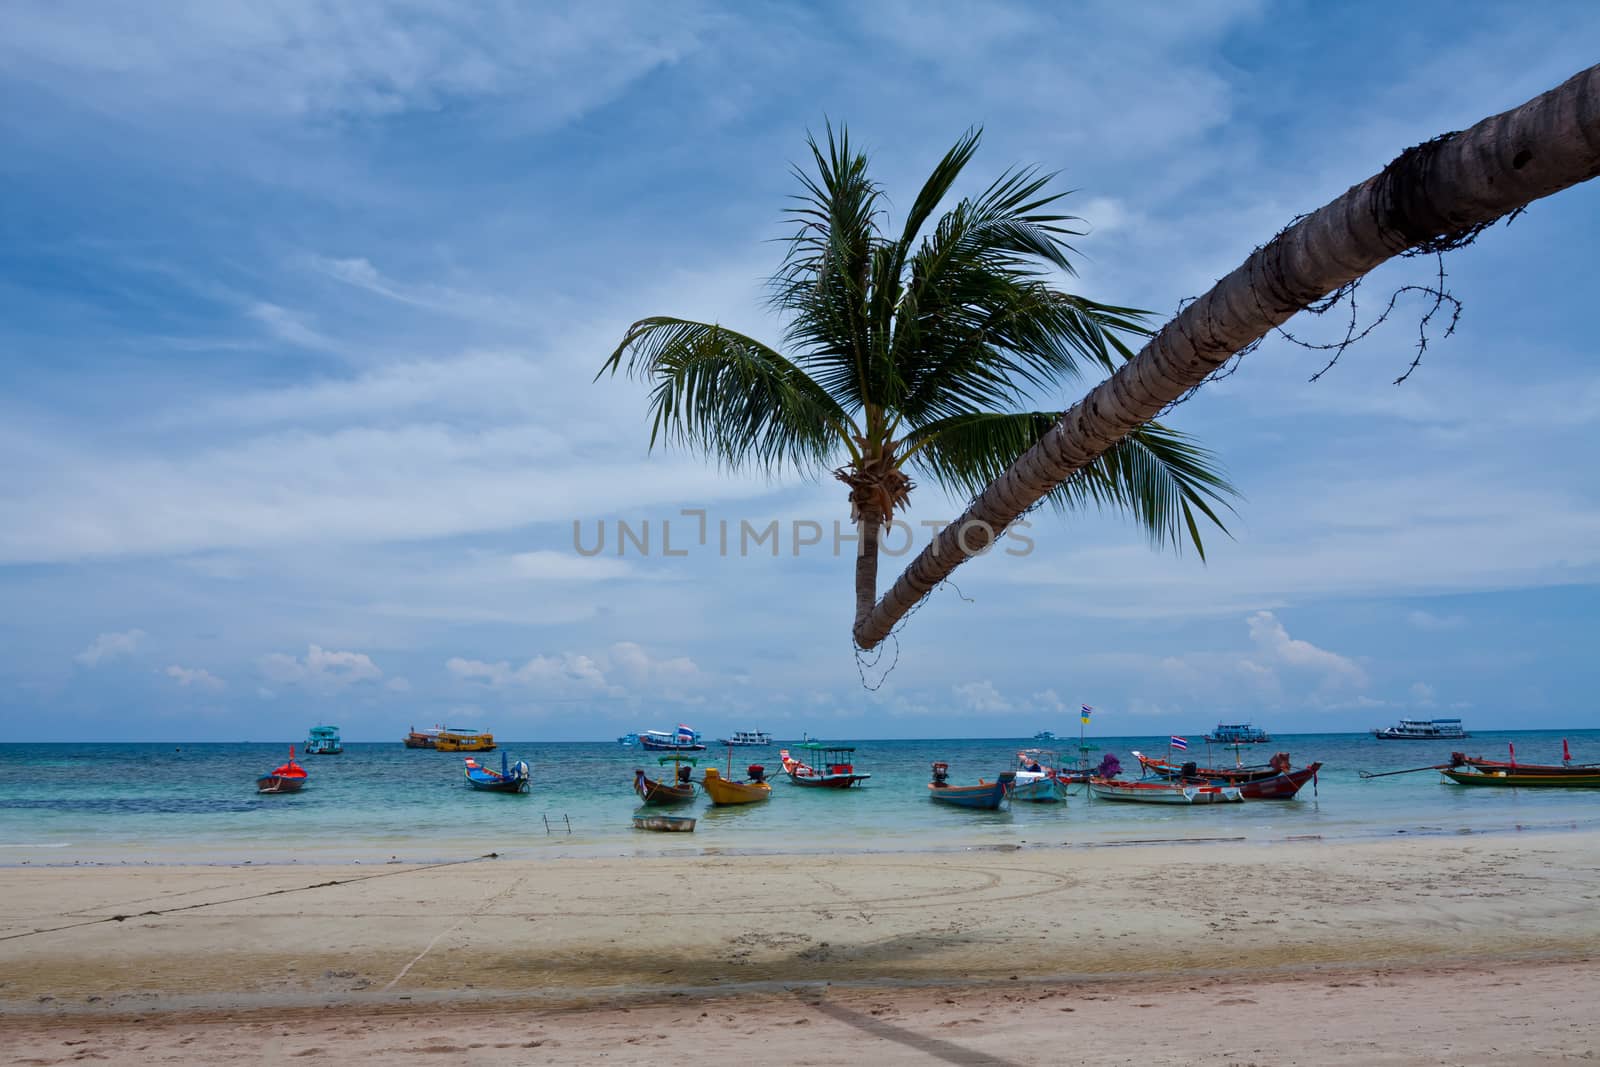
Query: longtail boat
x=1517, y=780
x=676, y=791
x=1274, y=781
x=510, y=778
x=752, y=790
x=679, y=824
x=287, y=778
x=985, y=796
x=1565, y=768
x=835, y=768
x=1163, y=792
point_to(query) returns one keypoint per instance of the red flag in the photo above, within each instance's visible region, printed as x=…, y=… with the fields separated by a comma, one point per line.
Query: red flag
x=1566, y=753
x=1513, y=747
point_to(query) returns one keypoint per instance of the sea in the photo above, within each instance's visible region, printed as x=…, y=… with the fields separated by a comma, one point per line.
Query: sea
x=74, y=804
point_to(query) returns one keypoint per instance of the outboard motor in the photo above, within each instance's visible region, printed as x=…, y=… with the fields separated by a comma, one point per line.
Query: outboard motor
x=756, y=772
x=683, y=775
x=1190, y=769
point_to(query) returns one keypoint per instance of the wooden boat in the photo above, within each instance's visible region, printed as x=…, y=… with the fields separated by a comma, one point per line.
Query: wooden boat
x=288, y=778
x=1036, y=778
x=678, y=790
x=510, y=778
x=752, y=790
x=679, y=824
x=1275, y=781
x=1565, y=768
x=834, y=768
x=1518, y=780
x=324, y=741
x=684, y=740
x=985, y=796
x=456, y=739
x=423, y=738
x=1163, y=792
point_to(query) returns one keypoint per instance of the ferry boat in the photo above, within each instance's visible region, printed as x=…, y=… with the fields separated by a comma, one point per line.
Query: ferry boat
x=628, y=740
x=458, y=739
x=1045, y=735
x=423, y=738
x=324, y=741
x=1422, y=730
x=1238, y=733
x=747, y=739
x=684, y=740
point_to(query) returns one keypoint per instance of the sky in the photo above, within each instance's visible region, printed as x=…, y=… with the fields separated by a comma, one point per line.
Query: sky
x=301, y=305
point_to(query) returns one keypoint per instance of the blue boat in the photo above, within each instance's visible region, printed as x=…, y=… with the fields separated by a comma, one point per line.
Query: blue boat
x=510, y=778
x=1237, y=733
x=628, y=739
x=684, y=740
x=985, y=796
x=324, y=741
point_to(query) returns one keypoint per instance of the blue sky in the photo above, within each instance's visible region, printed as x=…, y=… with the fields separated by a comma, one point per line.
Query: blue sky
x=300, y=304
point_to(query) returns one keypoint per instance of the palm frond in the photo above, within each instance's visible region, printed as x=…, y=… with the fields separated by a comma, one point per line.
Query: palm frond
x=725, y=394
x=1160, y=477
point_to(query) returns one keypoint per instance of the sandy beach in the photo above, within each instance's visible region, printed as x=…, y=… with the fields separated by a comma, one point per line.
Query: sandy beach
x=1460, y=949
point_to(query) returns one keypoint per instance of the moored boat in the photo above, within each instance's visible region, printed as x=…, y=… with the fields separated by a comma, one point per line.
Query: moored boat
x=1036, y=778
x=1422, y=730
x=1163, y=792
x=286, y=778
x=724, y=791
x=1516, y=780
x=677, y=790
x=985, y=796
x=510, y=778
x=1271, y=781
x=683, y=740
x=324, y=741
x=834, y=769
x=1565, y=768
x=460, y=739
x=679, y=824
x=416, y=738
x=1237, y=733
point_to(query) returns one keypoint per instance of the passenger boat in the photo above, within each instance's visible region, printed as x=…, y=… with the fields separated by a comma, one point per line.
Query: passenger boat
x=1589, y=779
x=288, y=778
x=723, y=791
x=423, y=738
x=672, y=824
x=1237, y=733
x=1272, y=781
x=324, y=741
x=835, y=767
x=1422, y=730
x=985, y=796
x=1163, y=792
x=459, y=739
x=1036, y=780
x=684, y=740
x=1045, y=736
x=678, y=790
x=747, y=739
x=628, y=740
x=510, y=778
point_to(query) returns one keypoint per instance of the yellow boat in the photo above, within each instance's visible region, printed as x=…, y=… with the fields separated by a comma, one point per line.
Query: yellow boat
x=726, y=791
x=453, y=740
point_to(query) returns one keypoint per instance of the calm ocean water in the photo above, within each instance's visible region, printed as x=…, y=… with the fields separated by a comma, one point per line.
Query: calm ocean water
x=137, y=803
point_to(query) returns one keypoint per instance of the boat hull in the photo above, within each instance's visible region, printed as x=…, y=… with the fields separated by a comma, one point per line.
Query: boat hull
x=661, y=794
x=274, y=783
x=1164, y=792
x=985, y=796
x=724, y=792
x=678, y=824
x=653, y=745
x=1507, y=780
x=465, y=743
x=1040, y=790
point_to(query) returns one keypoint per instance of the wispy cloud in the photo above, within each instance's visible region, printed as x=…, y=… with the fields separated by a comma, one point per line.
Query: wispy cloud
x=195, y=678
x=110, y=646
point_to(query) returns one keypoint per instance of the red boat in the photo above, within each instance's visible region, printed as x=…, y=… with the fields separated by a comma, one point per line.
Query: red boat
x=1275, y=781
x=285, y=779
x=835, y=767
x=1511, y=766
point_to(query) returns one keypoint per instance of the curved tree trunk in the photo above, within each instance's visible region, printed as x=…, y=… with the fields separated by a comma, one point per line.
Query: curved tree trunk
x=869, y=527
x=1444, y=188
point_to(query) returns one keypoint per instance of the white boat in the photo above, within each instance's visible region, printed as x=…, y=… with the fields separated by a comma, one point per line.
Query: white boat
x=747, y=739
x=1036, y=780
x=1144, y=792
x=1422, y=730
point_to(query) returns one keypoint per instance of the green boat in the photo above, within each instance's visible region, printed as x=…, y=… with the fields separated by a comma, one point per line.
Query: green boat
x=324, y=741
x=1512, y=780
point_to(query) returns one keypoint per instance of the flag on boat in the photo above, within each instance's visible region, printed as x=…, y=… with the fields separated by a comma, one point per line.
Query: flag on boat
x=1084, y=714
x=684, y=733
x=1180, y=744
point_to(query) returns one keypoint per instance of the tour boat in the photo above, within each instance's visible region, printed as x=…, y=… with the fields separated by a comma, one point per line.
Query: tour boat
x=676, y=791
x=835, y=767
x=628, y=740
x=1237, y=733
x=723, y=791
x=1422, y=730
x=684, y=740
x=747, y=739
x=288, y=778
x=510, y=778
x=985, y=796
x=1163, y=792
x=324, y=741
x=459, y=739
x=423, y=738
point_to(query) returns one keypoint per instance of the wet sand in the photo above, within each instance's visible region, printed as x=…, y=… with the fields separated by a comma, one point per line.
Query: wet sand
x=1450, y=950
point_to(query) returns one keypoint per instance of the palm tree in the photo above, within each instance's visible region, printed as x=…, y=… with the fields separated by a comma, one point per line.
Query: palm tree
x=1432, y=197
x=916, y=352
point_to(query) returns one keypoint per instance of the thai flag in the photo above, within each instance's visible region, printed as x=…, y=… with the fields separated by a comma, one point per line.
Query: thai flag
x=684, y=733
x=1084, y=714
x=1180, y=744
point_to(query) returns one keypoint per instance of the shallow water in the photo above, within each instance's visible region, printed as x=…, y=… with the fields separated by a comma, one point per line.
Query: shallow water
x=137, y=803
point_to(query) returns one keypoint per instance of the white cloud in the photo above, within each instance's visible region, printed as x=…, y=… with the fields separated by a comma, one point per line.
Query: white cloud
x=1422, y=695
x=110, y=646
x=1049, y=700
x=195, y=678
x=320, y=668
x=398, y=685
x=981, y=696
x=287, y=326
x=623, y=668
x=1280, y=649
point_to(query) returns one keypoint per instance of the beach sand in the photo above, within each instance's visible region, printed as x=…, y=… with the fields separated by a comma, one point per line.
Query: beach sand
x=1462, y=949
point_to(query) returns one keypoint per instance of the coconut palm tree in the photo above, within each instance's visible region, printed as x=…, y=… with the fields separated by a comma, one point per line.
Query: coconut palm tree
x=916, y=352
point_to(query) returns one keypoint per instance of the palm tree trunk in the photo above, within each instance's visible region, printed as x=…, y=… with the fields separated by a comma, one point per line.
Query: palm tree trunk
x=869, y=527
x=1443, y=189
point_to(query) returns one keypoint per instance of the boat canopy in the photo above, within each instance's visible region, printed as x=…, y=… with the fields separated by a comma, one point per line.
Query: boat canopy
x=815, y=746
x=664, y=760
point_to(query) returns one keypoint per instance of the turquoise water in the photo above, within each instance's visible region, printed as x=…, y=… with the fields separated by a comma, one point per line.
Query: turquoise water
x=122, y=803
